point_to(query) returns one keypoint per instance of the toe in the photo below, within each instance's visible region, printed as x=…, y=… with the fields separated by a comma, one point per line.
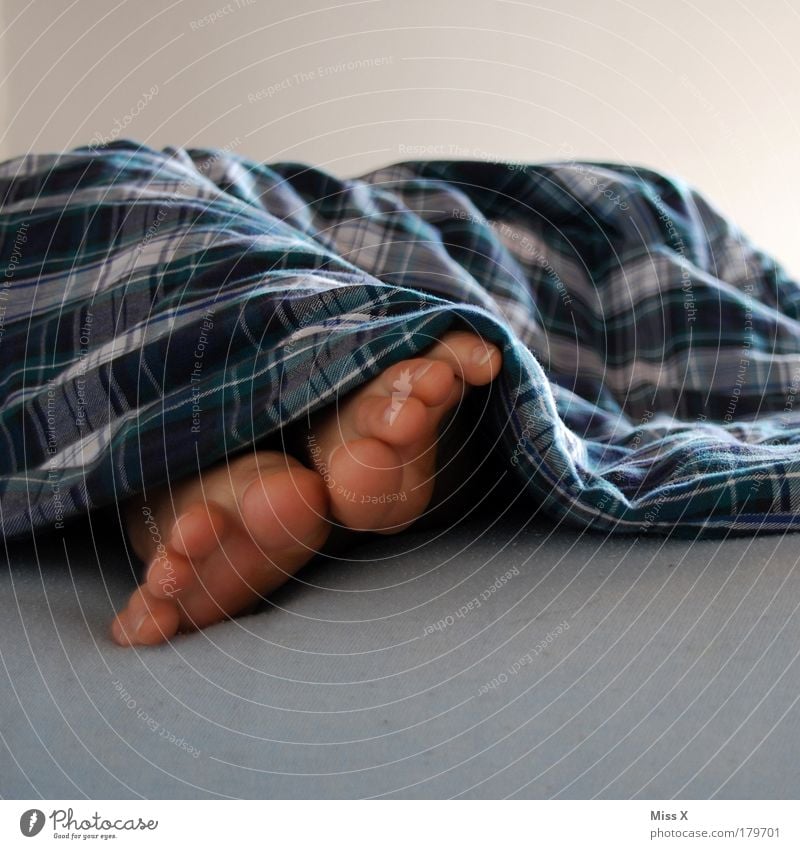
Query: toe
x=285, y=508
x=431, y=381
x=145, y=621
x=368, y=480
x=141, y=540
x=158, y=624
x=473, y=359
x=372, y=492
x=397, y=421
x=198, y=530
x=169, y=574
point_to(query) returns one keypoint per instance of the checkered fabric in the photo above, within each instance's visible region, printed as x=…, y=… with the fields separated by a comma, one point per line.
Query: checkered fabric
x=160, y=310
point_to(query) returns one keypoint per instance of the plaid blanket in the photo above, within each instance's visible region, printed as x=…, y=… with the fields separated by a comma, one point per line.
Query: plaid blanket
x=162, y=309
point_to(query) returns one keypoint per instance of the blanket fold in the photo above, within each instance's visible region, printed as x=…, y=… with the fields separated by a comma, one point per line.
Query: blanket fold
x=160, y=310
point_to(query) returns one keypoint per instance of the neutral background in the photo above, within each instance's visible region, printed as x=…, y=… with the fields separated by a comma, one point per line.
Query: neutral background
x=709, y=90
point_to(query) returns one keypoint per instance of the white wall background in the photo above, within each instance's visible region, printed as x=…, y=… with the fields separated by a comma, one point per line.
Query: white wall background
x=708, y=89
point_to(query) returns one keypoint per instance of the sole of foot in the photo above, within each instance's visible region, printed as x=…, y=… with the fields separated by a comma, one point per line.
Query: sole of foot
x=218, y=543
x=376, y=448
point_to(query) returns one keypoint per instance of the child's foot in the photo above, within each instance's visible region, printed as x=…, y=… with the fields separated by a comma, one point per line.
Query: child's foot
x=376, y=449
x=242, y=529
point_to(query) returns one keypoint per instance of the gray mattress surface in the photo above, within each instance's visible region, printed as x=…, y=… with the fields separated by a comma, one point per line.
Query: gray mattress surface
x=499, y=658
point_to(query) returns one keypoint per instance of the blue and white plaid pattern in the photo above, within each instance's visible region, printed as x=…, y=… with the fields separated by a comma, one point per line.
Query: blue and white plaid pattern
x=160, y=310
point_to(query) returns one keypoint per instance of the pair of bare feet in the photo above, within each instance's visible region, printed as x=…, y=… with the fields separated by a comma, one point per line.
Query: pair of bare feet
x=215, y=544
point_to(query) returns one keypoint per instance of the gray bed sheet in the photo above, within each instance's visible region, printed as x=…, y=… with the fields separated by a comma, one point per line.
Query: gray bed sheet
x=500, y=658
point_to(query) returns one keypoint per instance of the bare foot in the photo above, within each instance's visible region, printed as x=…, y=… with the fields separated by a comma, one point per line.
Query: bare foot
x=376, y=449
x=217, y=543
x=242, y=529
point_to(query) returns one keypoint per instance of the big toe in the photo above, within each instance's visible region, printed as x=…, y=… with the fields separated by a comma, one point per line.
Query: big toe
x=370, y=491
x=286, y=508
